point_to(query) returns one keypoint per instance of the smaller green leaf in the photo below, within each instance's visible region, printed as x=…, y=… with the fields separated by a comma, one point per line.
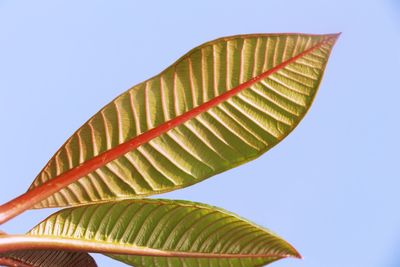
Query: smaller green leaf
x=165, y=233
x=47, y=258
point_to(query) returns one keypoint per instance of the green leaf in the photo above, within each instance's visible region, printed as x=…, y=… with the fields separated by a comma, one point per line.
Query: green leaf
x=47, y=258
x=164, y=233
x=222, y=104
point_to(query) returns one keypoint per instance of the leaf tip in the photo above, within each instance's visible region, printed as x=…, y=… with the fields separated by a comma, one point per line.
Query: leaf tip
x=337, y=35
x=295, y=254
x=334, y=36
x=292, y=252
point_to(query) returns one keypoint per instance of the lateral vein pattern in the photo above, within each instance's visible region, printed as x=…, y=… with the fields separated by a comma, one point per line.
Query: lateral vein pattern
x=220, y=137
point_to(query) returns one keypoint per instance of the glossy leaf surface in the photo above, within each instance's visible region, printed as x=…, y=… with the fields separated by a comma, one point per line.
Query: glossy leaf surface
x=47, y=258
x=166, y=233
x=224, y=103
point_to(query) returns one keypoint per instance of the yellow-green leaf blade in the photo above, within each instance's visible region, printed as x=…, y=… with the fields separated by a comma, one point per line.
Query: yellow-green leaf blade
x=183, y=232
x=223, y=135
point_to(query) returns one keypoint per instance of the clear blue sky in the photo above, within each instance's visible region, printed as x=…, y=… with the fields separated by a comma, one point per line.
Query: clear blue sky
x=331, y=188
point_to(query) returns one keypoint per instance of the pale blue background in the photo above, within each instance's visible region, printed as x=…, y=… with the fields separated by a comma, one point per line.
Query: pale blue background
x=331, y=188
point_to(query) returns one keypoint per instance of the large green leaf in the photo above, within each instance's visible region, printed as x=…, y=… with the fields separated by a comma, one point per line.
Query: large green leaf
x=222, y=104
x=164, y=233
x=47, y=258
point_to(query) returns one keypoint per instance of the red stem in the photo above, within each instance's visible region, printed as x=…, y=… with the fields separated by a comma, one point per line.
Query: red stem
x=18, y=205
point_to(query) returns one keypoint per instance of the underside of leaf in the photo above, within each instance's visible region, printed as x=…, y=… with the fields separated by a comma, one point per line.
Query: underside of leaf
x=224, y=103
x=164, y=233
x=47, y=258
